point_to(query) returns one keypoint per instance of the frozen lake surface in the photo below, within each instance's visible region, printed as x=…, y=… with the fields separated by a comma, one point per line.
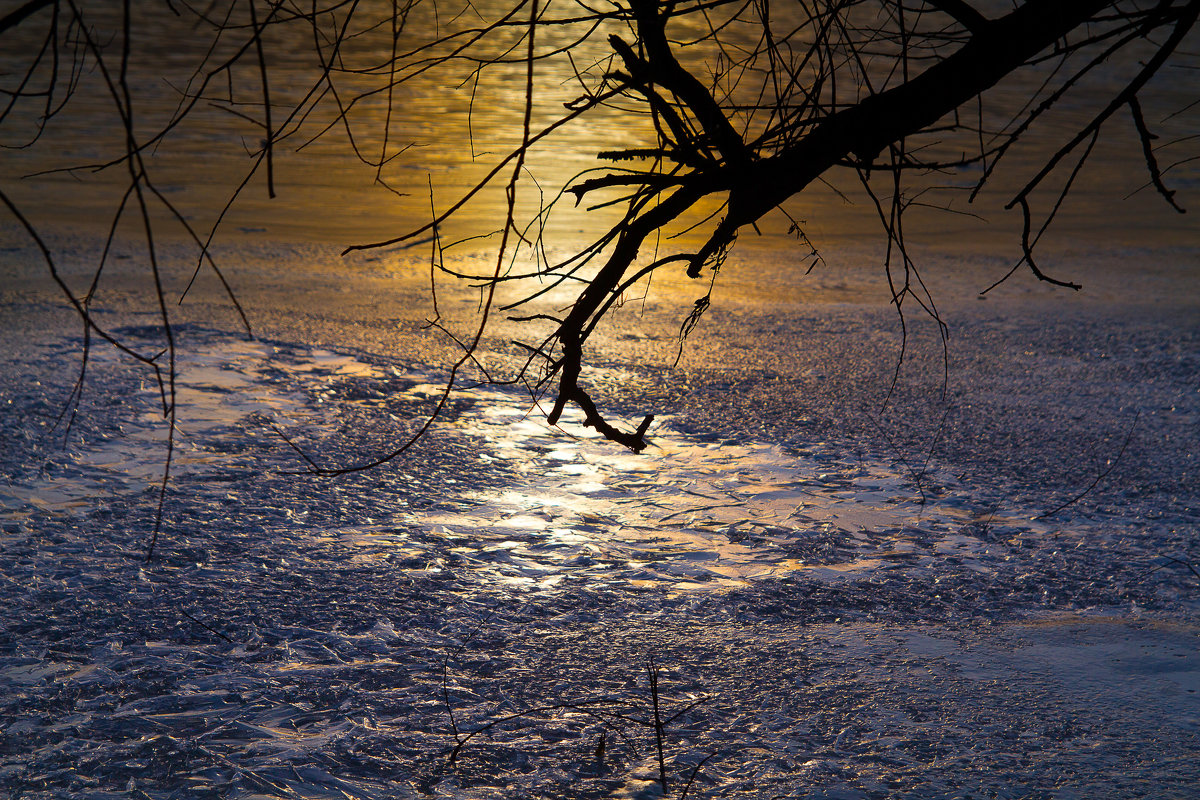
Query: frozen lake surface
x=688, y=515
x=834, y=596
x=826, y=622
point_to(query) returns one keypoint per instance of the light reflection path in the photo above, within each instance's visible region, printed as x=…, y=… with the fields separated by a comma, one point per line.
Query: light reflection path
x=686, y=515
x=689, y=515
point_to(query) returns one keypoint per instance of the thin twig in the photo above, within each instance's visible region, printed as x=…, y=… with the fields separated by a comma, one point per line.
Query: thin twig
x=1111, y=466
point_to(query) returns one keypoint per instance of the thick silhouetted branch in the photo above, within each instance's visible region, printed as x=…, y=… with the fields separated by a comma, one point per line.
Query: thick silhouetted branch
x=963, y=13
x=856, y=134
x=745, y=104
x=18, y=15
x=863, y=130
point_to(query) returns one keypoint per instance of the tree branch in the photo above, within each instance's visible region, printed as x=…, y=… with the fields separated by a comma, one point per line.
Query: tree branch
x=962, y=13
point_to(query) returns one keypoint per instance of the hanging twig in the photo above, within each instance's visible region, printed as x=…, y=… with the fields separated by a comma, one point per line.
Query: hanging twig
x=1112, y=464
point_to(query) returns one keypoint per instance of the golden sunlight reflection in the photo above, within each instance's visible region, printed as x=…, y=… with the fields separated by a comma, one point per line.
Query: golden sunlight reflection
x=384, y=150
x=687, y=515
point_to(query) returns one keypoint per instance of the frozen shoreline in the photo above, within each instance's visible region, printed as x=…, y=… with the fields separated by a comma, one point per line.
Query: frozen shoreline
x=263, y=654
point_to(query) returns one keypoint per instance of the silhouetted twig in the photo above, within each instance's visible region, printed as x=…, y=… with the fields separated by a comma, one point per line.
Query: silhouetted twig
x=1111, y=466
